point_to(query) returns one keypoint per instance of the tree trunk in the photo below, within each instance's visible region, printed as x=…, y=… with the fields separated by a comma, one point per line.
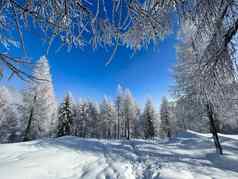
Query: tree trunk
x=213, y=129
x=27, y=131
x=125, y=126
x=128, y=129
x=168, y=125
x=118, y=123
x=169, y=134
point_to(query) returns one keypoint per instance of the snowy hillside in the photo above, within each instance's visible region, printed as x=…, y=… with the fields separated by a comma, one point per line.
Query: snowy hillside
x=190, y=155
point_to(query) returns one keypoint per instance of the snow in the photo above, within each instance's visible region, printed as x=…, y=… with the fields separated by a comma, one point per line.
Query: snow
x=188, y=156
x=235, y=137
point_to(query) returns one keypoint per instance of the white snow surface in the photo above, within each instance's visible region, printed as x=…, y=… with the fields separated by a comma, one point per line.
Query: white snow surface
x=190, y=155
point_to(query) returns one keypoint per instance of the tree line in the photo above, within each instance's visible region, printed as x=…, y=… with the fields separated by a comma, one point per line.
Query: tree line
x=34, y=113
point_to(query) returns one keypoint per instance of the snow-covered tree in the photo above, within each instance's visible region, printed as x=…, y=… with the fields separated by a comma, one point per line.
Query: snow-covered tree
x=130, y=114
x=138, y=131
x=173, y=118
x=227, y=119
x=165, y=128
x=28, y=112
x=44, y=123
x=66, y=116
x=132, y=23
x=81, y=117
x=196, y=81
x=11, y=116
x=150, y=120
x=86, y=122
x=93, y=128
x=119, y=103
x=107, y=119
x=190, y=114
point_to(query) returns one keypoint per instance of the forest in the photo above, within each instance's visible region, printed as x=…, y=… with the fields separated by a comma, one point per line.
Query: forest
x=34, y=113
x=191, y=132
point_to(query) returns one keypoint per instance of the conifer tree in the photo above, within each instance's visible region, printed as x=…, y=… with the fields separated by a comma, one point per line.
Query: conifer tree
x=44, y=121
x=119, y=103
x=107, y=118
x=66, y=116
x=81, y=118
x=93, y=120
x=149, y=117
x=138, y=131
x=130, y=114
x=11, y=118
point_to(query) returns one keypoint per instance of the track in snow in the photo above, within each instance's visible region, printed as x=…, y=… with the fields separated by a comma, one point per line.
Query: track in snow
x=189, y=156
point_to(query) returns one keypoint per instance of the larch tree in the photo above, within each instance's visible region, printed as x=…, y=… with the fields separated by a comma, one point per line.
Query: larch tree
x=44, y=119
x=173, y=118
x=190, y=114
x=119, y=103
x=81, y=118
x=11, y=115
x=93, y=120
x=130, y=112
x=197, y=81
x=28, y=111
x=107, y=118
x=138, y=126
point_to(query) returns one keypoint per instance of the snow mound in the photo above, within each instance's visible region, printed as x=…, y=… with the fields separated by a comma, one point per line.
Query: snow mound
x=189, y=156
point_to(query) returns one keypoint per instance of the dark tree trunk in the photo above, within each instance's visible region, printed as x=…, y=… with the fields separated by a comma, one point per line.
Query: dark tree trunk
x=169, y=134
x=210, y=113
x=27, y=131
x=184, y=125
x=114, y=133
x=118, y=128
x=128, y=129
x=118, y=122
x=125, y=127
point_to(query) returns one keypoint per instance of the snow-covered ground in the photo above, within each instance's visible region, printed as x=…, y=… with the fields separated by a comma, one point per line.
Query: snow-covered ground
x=190, y=155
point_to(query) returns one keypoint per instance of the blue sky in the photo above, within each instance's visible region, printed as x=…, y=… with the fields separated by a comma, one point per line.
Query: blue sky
x=147, y=73
x=83, y=72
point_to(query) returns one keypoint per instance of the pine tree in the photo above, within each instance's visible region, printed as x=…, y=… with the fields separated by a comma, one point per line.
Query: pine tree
x=44, y=121
x=149, y=117
x=66, y=116
x=165, y=130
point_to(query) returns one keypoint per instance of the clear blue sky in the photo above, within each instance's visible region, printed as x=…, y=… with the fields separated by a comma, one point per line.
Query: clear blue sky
x=83, y=72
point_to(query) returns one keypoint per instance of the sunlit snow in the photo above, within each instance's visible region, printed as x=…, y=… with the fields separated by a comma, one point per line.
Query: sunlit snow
x=189, y=156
